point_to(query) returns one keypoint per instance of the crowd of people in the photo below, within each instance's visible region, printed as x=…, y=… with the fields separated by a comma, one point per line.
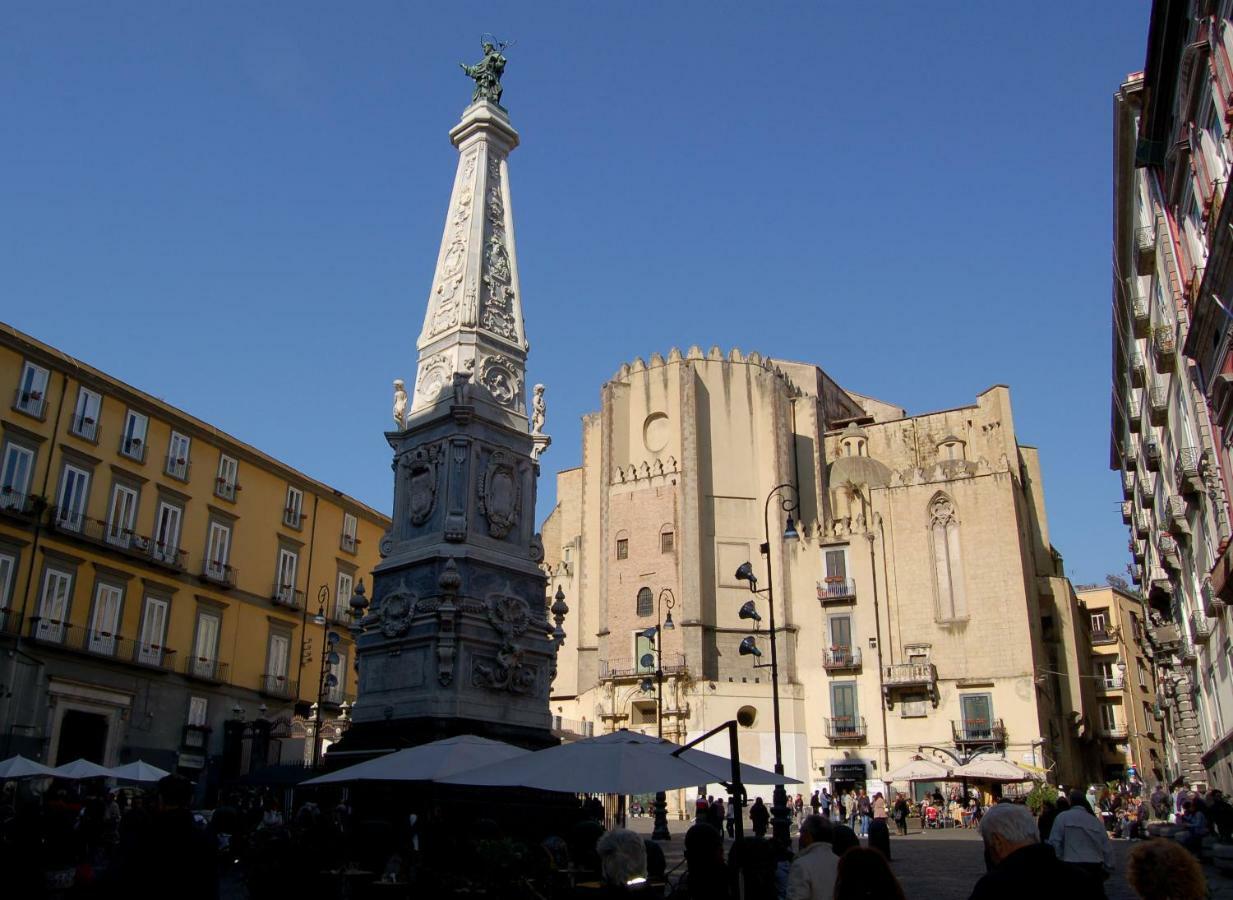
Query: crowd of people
x=79, y=839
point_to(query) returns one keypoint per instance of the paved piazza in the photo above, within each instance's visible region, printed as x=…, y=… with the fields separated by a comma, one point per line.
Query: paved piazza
x=945, y=864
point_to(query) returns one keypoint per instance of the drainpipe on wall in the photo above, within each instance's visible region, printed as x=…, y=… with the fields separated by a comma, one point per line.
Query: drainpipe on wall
x=308, y=580
x=877, y=626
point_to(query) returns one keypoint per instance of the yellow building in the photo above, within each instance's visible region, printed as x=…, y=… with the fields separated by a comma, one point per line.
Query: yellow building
x=159, y=579
x=1130, y=731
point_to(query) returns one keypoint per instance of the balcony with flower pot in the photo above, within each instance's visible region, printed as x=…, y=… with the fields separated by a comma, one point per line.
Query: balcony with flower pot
x=1170, y=555
x=1164, y=348
x=1188, y=471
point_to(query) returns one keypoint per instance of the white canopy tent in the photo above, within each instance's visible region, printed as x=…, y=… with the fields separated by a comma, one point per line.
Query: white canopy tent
x=1002, y=770
x=427, y=762
x=81, y=768
x=139, y=771
x=20, y=767
x=919, y=770
x=624, y=762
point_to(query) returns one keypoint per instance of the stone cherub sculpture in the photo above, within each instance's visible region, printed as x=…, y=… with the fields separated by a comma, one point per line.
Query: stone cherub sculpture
x=487, y=73
x=539, y=410
x=400, y=404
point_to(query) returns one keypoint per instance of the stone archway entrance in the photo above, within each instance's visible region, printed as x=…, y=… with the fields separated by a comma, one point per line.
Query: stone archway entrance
x=83, y=735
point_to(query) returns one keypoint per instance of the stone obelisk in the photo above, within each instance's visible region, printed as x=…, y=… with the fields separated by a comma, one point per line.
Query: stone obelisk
x=457, y=639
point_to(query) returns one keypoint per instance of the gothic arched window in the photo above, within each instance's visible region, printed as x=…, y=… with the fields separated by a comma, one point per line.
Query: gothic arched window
x=947, y=559
x=646, y=603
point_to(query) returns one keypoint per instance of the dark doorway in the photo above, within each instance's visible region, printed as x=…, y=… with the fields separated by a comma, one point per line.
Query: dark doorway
x=83, y=735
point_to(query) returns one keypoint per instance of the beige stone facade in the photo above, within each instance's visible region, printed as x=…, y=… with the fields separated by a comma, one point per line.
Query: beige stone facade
x=921, y=602
x=1127, y=718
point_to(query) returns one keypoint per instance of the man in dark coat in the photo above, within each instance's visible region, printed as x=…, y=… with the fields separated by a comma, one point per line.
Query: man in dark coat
x=1021, y=864
x=759, y=816
x=178, y=858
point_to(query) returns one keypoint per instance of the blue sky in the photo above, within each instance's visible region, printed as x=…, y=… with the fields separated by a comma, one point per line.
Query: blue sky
x=237, y=206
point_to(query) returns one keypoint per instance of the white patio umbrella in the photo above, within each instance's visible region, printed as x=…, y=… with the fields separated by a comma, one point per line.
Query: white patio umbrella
x=20, y=767
x=993, y=770
x=720, y=767
x=81, y=768
x=427, y=762
x=620, y=763
x=919, y=770
x=139, y=771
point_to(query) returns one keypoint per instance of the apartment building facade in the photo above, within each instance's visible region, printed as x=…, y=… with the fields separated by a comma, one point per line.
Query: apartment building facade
x=1169, y=434
x=1124, y=680
x=918, y=601
x=167, y=592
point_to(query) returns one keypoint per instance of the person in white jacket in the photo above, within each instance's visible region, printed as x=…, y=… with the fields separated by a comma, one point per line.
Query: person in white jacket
x=1079, y=837
x=812, y=875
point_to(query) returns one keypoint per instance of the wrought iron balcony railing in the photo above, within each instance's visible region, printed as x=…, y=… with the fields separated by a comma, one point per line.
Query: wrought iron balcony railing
x=218, y=573
x=288, y=596
x=977, y=731
x=85, y=427
x=1141, y=314
x=154, y=656
x=279, y=686
x=1151, y=454
x=841, y=729
x=1111, y=683
x=31, y=403
x=839, y=658
x=204, y=668
x=836, y=590
x=1145, y=249
x=1188, y=470
x=1164, y=343
x=615, y=669
x=1159, y=406
x=1101, y=636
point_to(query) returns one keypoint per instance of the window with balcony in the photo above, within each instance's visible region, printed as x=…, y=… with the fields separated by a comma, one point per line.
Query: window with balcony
x=31, y=396
x=86, y=415
x=224, y=482
x=350, y=524
x=293, y=508
x=841, y=634
x=218, y=552
x=844, y=721
x=178, y=459
x=1107, y=674
x=338, y=691
x=105, y=620
x=8, y=570
x=646, y=602
x=165, y=546
x=288, y=561
x=622, y=548
x=342, y=597
x=54, y=605
x=72, y=497
x=121, y=515
x=1142, y=674
x=133, y=440
x=1108, y=718
x=835, y=584
x=977, y=713
x=204, y=663
x=150, y=647
x=667, y=541
x=947, y=560
x=15, y=471
x=278, y=653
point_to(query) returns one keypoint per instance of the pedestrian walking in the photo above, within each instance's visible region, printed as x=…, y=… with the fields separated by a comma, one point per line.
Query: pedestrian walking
x=815, y=803
x=864, y=810
x=730, y=819
x=901, y=814
x=1078, y=837
x=759, y=817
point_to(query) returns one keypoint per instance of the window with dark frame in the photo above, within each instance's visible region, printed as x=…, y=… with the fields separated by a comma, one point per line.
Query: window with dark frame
x=666, y=539
x=646, y=602
x=622, y=548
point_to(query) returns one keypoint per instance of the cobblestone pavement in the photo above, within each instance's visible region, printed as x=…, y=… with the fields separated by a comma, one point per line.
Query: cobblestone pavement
x=933, y=865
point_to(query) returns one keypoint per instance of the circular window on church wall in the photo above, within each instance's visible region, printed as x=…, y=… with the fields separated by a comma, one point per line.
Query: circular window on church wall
x=655, y=432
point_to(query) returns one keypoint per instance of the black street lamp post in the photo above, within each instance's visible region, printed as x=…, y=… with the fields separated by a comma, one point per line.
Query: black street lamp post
x=779, y=799
x=329, y=657
x=666, y=599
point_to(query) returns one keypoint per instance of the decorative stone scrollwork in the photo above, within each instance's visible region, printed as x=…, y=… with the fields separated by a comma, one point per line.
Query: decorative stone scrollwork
x=499, y=494
x=396, y=611
x=452, y=270
x=504, y=672
x=434, y=374
x=499, y=376
x=509, y=615
x=537, y=548
x=386, y=545
x=423, y=476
